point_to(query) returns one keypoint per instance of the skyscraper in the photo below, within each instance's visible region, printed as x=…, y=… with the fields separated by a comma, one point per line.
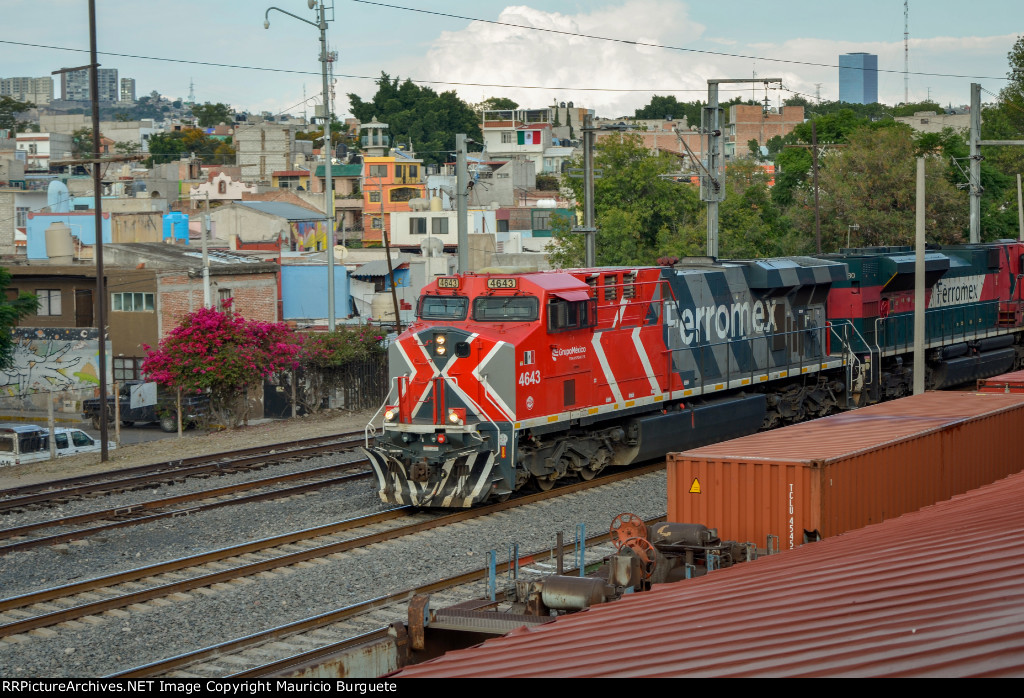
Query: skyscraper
x=74, y=86
x=858, y=78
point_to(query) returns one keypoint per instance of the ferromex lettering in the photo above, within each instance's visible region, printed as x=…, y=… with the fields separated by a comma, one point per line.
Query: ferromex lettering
x=708, y=323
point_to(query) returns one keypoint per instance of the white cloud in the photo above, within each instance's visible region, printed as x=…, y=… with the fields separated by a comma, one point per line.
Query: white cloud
x=525, y=57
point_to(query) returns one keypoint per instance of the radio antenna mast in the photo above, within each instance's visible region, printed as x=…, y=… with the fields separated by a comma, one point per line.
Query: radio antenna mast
x=906, y=52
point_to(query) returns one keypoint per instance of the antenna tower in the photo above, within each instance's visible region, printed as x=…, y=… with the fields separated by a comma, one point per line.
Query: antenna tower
x=191, y=92
x=906, y=52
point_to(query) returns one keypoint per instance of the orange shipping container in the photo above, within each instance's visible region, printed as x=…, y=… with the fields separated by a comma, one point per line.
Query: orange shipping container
x=1006, y=383
x=831, y=475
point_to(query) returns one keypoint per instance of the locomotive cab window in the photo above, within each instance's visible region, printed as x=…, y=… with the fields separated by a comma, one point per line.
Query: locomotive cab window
x=505, y=308
x=565, y=315
x=443, y=307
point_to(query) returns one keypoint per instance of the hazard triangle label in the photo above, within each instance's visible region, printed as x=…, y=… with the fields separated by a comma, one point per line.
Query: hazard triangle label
x=695, y=487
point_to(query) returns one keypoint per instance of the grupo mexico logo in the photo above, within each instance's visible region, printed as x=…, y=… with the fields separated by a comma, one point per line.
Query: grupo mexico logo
x=570, y=352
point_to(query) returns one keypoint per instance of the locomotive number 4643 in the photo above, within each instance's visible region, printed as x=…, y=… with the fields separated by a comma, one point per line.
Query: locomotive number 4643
x=529, y=378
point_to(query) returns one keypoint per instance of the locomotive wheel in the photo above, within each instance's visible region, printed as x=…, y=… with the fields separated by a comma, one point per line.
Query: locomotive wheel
x=587, y=474
x=627, y=527
x=645, y=553
x=545, y=483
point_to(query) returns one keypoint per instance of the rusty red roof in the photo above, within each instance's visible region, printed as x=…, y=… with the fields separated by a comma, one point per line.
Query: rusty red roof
x=937, y=592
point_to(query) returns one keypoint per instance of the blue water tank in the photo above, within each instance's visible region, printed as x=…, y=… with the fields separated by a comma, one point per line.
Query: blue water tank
x=176, y=226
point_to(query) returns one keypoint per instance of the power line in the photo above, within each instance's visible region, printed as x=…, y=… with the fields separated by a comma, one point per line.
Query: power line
x=647, y=44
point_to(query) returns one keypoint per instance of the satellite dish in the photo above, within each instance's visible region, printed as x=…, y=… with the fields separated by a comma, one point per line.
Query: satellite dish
x=433, y=247
x=340, y=253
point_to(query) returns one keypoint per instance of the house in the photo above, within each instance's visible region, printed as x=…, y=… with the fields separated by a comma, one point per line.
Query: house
x=42, y=148
x=220, y=188
x=270, y=225
x=389, y=184
x=150, y=287
x=525, y=134
x=750, y=122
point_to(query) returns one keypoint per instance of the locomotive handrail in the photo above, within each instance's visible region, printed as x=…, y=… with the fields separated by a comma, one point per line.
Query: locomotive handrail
x=387, y=399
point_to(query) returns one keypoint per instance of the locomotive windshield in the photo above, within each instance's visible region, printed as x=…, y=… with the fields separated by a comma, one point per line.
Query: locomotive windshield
x=443, y=307
x=505, y=308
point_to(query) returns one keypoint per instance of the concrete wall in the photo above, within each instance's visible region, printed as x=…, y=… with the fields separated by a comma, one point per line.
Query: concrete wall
x=52, y=359
x=82, y=224
x=137, y=227
x=7, y=219
x=262, y=149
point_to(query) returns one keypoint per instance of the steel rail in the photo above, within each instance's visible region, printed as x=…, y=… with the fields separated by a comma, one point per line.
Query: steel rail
x=135, y=511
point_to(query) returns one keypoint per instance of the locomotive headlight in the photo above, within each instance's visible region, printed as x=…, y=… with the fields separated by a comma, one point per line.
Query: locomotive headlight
x=440, y=338
x=390, y=413
x=440, y=350
x=457, y=416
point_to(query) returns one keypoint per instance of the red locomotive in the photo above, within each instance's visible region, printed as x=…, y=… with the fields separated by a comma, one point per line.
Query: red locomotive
x=510, y=378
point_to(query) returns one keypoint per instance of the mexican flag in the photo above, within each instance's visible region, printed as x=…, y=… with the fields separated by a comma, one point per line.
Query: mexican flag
x=528, y=137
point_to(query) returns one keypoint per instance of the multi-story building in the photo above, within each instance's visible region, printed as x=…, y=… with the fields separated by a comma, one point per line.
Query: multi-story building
x=74, y=85
x=41, y=148
x=128, y=90
x=389, y=184
x=750, y=122
x=36, y=90
x=524, y=134
x=858, y=78
x=264, y=148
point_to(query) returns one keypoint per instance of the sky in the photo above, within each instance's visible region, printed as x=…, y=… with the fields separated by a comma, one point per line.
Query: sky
x=633, y=49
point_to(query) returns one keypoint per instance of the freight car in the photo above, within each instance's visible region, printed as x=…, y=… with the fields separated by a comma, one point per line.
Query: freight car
x=510, y=378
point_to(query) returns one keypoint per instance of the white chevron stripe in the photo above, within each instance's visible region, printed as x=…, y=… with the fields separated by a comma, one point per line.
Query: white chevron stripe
x=646, y=361
x=603, y=360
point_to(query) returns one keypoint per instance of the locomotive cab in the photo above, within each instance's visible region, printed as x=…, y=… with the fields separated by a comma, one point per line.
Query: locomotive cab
x=458, y=375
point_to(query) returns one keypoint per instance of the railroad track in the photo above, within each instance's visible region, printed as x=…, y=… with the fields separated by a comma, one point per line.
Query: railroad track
x=28, y=536
x=278, y=652
x=129, y=479
x=59, y=609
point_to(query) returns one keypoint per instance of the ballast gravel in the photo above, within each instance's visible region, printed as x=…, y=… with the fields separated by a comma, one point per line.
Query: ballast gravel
x=115, y=642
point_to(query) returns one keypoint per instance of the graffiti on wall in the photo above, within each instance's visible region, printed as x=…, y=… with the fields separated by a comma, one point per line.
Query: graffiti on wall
x=309, y=236
x=52, y=358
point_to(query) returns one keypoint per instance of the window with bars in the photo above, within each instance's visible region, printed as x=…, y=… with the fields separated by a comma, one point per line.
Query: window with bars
x=21, y=216
x=375, y=197
x=127, y=368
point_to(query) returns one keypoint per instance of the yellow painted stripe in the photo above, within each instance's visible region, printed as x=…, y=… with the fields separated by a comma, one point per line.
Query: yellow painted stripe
x=630, y=403
x=687, y=393
x=783, y=374
x=659, y=398
x=803, y=370
x=518, y=424
x=592, y=410
x=719, y=386
x=553, y=418
x=763, y=378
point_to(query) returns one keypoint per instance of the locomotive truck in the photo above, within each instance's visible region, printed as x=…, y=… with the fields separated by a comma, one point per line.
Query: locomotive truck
x=514, y=378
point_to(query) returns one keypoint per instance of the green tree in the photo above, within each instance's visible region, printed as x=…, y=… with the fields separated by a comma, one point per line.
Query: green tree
x=11, y=310
x=492, y=103
x=165, y=147
x=872, y=184
x=419, y=116
x=81, y=143
x=9, y=110
x=126, y=147
x=212, y=114
x=640, y=215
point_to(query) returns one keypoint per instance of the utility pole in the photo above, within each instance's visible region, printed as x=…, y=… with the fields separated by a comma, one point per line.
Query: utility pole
x=461, y=203
x=387, y=254
x=97, y=187
x=975, y=168
x=919, y=271
x=325, y=59
x=589, y=231
x=712, y=182
x=814, y=167
x=207, y=300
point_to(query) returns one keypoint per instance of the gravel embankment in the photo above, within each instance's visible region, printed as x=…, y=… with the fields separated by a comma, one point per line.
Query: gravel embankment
x=122, y=641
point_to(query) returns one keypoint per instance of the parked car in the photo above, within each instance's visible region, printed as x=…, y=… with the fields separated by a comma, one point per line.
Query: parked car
x=194, y=410
x=28, y=443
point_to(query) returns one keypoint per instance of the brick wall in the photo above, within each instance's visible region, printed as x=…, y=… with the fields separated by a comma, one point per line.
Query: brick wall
x=254, y=296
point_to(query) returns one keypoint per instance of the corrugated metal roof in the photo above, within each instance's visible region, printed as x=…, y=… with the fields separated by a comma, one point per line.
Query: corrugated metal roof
x=288, y=211
x=379, y=267
x=936, y=592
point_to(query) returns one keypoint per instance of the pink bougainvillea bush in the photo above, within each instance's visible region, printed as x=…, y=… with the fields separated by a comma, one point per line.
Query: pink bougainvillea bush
x=225, y=354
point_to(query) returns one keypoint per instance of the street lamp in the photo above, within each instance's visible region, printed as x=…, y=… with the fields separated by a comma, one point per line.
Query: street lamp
x=325, y=58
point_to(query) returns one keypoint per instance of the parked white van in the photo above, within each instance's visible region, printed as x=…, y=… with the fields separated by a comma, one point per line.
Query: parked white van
x=28, y=443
